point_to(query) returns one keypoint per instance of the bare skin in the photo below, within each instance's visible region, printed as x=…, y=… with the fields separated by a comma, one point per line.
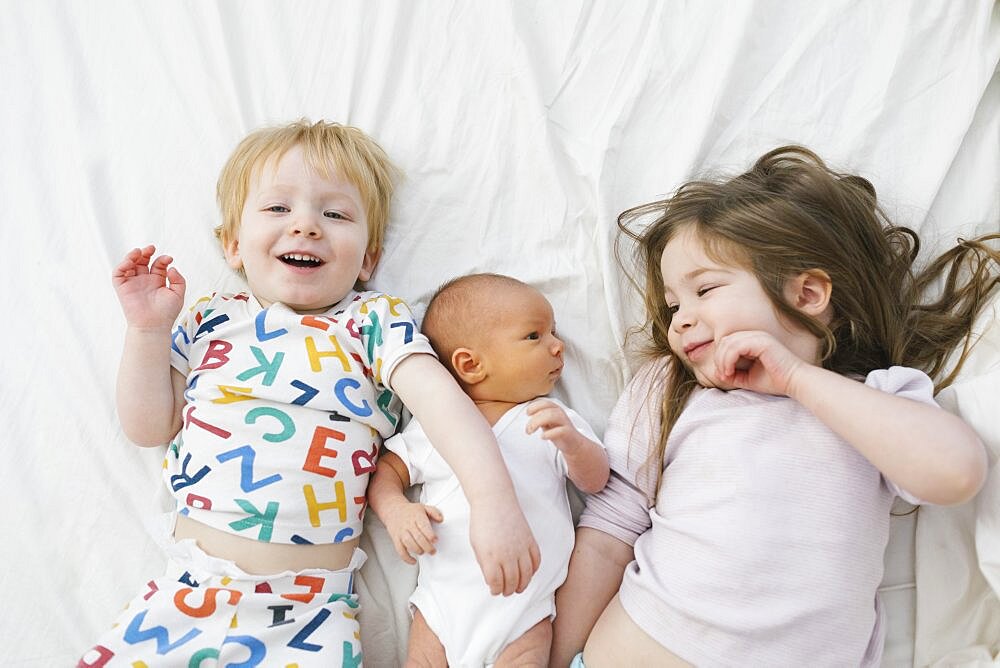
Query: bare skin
x=258, y=558
x=614, y=632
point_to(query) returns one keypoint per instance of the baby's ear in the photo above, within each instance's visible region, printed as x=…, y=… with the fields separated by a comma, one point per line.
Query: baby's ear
x=468, y=366
x=810, y=292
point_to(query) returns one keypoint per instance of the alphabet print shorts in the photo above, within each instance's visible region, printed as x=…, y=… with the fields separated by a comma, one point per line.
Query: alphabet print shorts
x=206, y=612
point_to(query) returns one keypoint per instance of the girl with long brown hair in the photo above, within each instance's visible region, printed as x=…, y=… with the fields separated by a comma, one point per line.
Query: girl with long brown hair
x=787, y=402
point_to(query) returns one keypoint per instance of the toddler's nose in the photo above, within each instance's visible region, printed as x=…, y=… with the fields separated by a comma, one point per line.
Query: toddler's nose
x=304, y=225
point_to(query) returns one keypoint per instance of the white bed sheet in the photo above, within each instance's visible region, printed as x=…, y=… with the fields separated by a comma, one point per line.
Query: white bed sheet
x=524, y=128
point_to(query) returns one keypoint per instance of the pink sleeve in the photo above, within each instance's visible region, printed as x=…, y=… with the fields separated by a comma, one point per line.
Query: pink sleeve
x=621, y=509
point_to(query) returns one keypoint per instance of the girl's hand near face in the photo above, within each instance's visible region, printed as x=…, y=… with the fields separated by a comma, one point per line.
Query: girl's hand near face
x=757, y=361
x=151, y=294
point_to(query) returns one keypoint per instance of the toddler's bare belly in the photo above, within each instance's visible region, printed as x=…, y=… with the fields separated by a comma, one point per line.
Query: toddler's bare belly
x=616, y=640
x=258, y=558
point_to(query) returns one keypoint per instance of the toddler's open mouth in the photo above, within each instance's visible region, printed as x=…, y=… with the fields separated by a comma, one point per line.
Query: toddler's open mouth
x=301, y=260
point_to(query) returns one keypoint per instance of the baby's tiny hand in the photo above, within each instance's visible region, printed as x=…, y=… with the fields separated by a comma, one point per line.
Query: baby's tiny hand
x=553, y=421
x=409, y=526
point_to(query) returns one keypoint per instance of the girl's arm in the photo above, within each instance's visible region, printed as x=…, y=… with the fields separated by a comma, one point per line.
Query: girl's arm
x=150, y=393
x=922, y=448
x=500, y=537
x=586, y=461
x=595, y=573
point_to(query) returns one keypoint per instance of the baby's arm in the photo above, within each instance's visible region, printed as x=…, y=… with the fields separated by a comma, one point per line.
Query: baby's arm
x=150, y=393
x=925, y=450
x=595, y=573
x=408, y=524
x=500, y=536
x=586, y=461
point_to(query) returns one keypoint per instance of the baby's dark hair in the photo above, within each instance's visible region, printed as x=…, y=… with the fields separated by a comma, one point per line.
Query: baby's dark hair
x=788, y=214
x=457, y=311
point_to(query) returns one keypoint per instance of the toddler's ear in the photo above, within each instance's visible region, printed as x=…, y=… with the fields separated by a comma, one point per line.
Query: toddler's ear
x=810, y=291
x=232, y=252
x=368, y=264
x=468, y=366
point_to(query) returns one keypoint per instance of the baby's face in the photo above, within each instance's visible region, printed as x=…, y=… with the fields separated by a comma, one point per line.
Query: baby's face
x=303, y=237
x=523, y=355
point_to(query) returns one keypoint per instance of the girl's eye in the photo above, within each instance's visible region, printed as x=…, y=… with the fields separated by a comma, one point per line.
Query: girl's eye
x=278, y=208
x=532, y=337
x=333, y=214
x=703, y=291
x=672, y=308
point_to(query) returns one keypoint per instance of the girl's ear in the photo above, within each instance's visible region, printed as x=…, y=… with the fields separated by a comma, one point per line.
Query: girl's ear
x=468, y=366
x=231, y=250
x=810, y=291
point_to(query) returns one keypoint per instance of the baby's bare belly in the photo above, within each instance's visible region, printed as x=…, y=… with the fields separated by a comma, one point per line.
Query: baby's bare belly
x=616, y=640
x=258, y=558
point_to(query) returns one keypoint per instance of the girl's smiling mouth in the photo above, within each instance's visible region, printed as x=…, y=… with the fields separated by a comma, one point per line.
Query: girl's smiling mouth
x=695, y=350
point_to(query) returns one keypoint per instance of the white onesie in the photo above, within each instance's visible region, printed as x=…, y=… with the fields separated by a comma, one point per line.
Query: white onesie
x=473, y=625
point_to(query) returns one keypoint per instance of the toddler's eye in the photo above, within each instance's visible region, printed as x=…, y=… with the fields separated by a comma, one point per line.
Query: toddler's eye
x=532, y=337
x=333, y=214
x=278, y=208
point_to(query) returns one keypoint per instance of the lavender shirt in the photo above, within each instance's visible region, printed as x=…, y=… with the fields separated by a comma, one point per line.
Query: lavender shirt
x=765, y=545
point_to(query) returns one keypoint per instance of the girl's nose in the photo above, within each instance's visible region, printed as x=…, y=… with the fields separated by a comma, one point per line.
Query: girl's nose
x=681, y=319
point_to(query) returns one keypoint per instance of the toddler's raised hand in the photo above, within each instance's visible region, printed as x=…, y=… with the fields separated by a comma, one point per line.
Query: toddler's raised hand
x=151, y=293
x=409, y=526
x=753, y=360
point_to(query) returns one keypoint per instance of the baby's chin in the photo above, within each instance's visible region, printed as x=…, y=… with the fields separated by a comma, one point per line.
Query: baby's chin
x=529, y=395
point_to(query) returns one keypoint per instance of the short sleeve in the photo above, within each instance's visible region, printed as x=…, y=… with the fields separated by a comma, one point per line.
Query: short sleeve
x=903, y=382
x=199, y=319
x=621, y=509
x=388, y=334
x=412, y=447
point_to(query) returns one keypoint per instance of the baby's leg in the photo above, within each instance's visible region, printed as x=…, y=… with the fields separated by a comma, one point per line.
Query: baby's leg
x=531, y=649
x=425, y=649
